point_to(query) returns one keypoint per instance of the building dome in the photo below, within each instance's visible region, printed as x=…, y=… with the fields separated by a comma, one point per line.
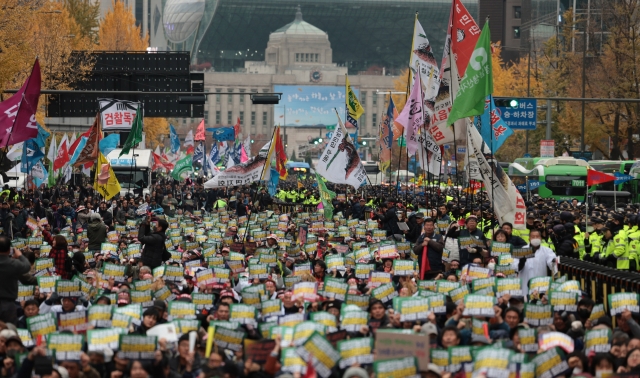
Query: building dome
x=300, y=27
x=181, y=18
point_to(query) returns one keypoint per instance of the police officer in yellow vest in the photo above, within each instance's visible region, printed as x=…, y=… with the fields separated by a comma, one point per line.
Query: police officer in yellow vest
x=620, y=241
x=594, y=242
x=633, y=247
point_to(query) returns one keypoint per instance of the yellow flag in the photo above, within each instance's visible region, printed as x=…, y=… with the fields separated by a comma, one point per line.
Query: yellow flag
x=300, y=185
x=272, y=147
x=353, y=105
x=112, y=187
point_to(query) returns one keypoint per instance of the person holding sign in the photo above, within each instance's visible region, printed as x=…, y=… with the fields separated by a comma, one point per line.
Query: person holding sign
x=471, y=241
x=12, y=267
x=428, y=248
x=535, y=266
x=153, y=242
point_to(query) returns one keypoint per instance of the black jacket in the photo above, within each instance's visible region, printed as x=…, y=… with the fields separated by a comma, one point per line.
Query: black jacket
x=434, y=252
x=153, y=246
x=390, y=221
x=415, y=229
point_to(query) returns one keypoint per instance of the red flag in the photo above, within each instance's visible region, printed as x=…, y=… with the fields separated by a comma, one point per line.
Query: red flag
x=236, y=128
x=89, y=153
x=18, y=113
x=160, y=161
x=464, y=35
x=190, y=150
x=200, y=131
x=311, y=371
x=281, y=156
x=594, y=177
x=62, y=158
x=424, y=266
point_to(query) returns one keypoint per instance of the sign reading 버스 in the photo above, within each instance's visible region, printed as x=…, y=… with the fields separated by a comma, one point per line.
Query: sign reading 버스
x=117, y=114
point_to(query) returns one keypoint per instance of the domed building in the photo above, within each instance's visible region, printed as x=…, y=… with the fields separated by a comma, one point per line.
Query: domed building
x=298, y=62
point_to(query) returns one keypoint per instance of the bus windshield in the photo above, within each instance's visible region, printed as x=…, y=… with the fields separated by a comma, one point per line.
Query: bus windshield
x=566, y=185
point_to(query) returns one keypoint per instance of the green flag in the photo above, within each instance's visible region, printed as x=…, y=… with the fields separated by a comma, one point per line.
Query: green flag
x=477, y=82
x=135, y=136
x=326, y=196
x=183, y=165
x=52, y=175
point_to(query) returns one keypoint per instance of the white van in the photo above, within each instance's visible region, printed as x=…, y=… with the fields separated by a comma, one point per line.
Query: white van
x=133, y=172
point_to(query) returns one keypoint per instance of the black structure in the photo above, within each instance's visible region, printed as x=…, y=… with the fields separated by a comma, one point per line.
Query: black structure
x=134, y=71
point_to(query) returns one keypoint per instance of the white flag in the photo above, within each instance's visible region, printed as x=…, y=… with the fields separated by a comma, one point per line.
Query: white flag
x=188, y=140
x=339, y=162
x=143, y=144
x=15, y=152
x=247, y=146
x=51, y=155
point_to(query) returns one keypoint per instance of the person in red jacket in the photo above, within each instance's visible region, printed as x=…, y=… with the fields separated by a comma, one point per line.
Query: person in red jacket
x=58, y=252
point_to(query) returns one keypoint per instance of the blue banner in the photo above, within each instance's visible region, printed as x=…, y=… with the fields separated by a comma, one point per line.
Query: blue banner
x=621, y=178
x=522, y=117
x=109, y=143
x=31, y=154
x=533, y=184
x=493, y=129
x=175, y=140
x=272, y=185
x=222, y=133
x=41, y=139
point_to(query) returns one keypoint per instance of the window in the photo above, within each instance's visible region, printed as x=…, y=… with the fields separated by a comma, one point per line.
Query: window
x=306, y=57
x=242, y=96
x=566, y=185
x=363, y=97
x=374, y=98
x=297, y=57
x=516, y=32
x=264, y=118
x=206, y=117
x=517, y=12
x=229, y=117
x=253, y=118
x=242, y=118
x=218, y=95
x=374, y=119
x=218, y=120
x=230, y=97
x=316, y=58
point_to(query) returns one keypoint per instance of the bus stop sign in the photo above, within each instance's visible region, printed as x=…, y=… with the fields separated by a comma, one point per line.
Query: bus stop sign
x=521, y=117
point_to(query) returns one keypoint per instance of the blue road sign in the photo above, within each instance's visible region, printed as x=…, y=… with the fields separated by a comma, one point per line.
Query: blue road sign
x=521, y=118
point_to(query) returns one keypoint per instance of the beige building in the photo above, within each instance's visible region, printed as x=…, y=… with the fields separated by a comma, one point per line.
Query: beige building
x=296, y=54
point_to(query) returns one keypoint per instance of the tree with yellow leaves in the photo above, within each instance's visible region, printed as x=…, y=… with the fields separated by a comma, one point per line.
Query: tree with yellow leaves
x=154, y=128
x=118, y=30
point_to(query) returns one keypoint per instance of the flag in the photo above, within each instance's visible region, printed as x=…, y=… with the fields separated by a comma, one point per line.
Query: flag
x=51, y=155
x=236, y=155
x=18, y=112
x=339, y=162
x=183, y=165
x=423, y=61
x=175, y=139
x=135, y=136
x=41, y=139
x=236, y=129
x=492, y=127
x=109, y=143
x=281, y=156
x=243, y=156
x=160, y=160
x=51, y=180
x=112, y=187
x=39, y=174
x=247, y=145
x=594, y=177
x=386, y=136
x=15, y=152
x=214, y=156
x=72, y=143
x=326, y=196
x=245, y=173
x=272, y=185
x=143, y=144
x=76, y=154
x=412, y=117
x=621, y=178
x=89, y=153
x=188, y=140
x=103, y=175
x=477, y=82
x=230, y=163
x=198, y=154
x=267, y=152
x=200, y=131
x=31, y=154
x=63, y=156
x=354, y=109
x=223, y=133
x=460, y=42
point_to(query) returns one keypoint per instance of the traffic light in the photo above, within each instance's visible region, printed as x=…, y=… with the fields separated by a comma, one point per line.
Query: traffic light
x=512, y=103
x=364, y=142
x=315, y=141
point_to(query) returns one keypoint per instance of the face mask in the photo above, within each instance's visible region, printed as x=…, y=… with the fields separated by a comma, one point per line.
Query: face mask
x=577, y=371
x=188, y=197
x=535, y=242
x=491, y=266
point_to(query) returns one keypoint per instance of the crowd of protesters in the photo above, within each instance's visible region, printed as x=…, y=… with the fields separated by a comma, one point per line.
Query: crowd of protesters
x=326, y=285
